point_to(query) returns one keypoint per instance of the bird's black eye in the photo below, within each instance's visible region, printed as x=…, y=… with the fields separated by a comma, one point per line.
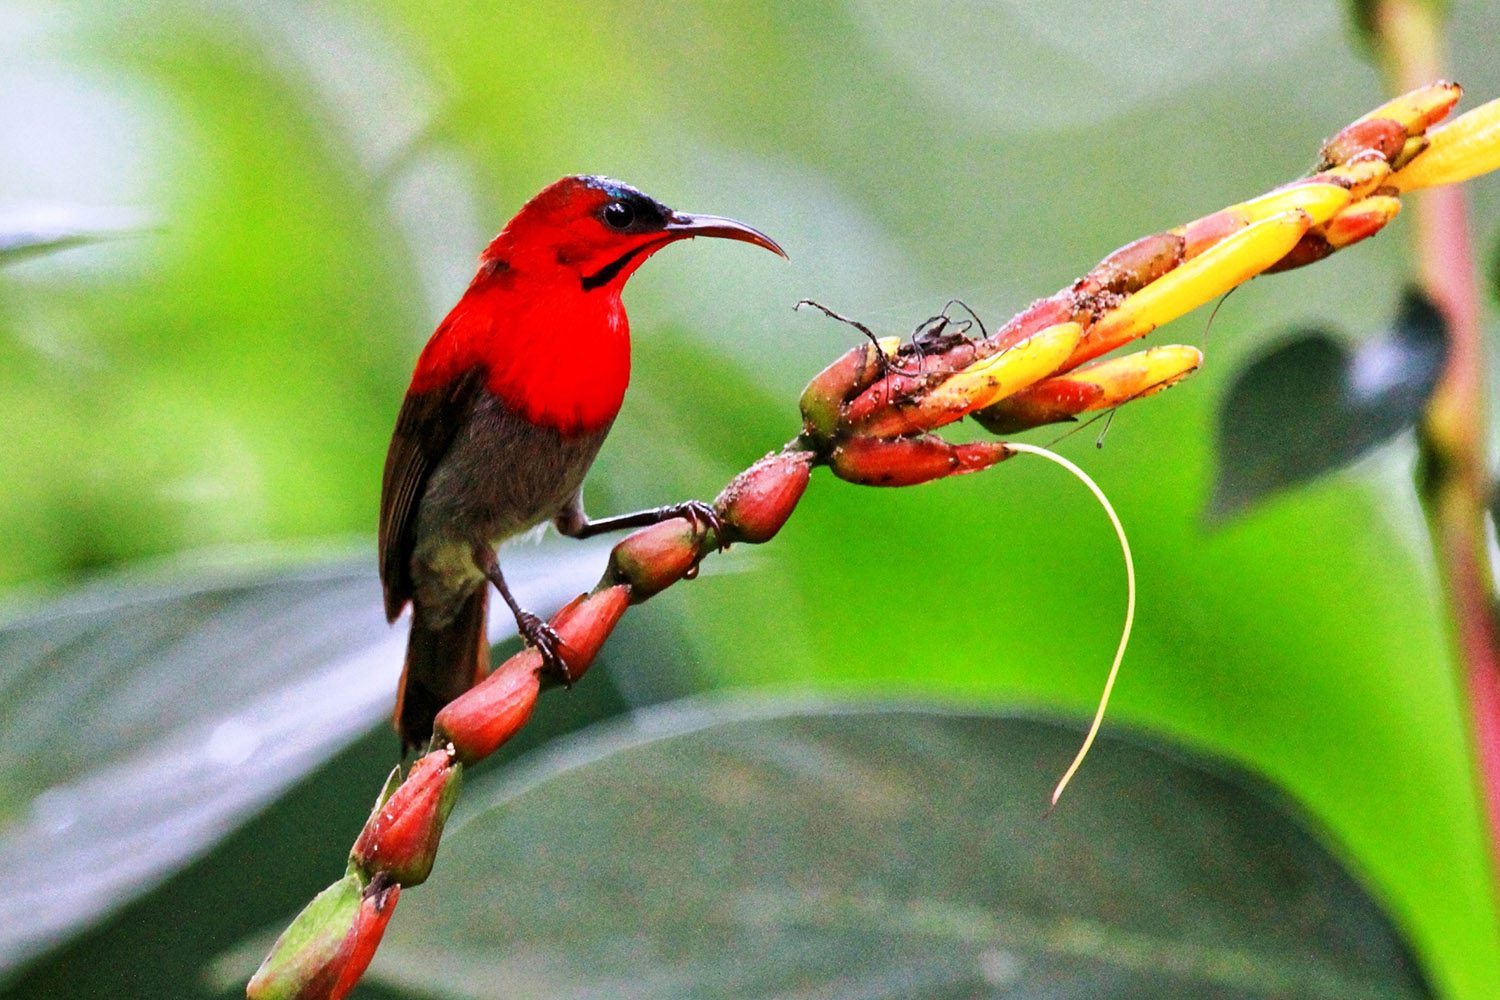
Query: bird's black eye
x=619, y=215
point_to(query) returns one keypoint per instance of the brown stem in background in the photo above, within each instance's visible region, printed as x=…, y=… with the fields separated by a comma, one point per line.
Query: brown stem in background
x=1455, y=479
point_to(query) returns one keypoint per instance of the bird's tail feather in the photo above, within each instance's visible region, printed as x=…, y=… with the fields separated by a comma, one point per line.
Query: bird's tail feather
x=441, y=664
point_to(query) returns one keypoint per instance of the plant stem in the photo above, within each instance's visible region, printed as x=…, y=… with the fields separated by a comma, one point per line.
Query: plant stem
x=1455, y=480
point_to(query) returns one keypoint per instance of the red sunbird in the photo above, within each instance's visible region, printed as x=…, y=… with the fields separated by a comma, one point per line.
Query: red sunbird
x=510, y=401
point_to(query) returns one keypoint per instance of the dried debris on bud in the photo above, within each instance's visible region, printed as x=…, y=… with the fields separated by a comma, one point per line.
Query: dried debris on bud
x=973, y=386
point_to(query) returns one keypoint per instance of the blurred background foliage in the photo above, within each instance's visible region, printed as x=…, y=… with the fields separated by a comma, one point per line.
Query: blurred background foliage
x=321, y=177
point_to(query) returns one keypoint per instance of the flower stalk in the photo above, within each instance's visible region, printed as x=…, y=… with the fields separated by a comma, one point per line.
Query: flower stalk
x=1455, y=477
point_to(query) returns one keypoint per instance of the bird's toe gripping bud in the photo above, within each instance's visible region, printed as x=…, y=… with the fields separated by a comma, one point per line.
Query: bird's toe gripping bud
x=479, y=721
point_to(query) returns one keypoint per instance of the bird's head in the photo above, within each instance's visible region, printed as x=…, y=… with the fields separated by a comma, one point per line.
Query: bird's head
x=602, y=230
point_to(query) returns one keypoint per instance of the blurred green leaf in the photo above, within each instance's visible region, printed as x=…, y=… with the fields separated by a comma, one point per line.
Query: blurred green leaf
x=824, y=850
x=143, y=721
x=1363, y=14
x=1311, y=406
x=31, y=232
x=1494, y=270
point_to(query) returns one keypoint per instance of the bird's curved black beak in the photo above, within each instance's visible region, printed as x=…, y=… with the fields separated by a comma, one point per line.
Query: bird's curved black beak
x=681, y=226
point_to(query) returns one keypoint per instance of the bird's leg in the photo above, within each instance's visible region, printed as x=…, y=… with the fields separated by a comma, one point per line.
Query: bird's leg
x=536, y=632
x=574, y=523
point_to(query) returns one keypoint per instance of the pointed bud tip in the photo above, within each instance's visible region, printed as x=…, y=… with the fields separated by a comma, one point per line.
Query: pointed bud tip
x=479, y=721
x=1463, y=149
x=322, y=955
x=401, y=839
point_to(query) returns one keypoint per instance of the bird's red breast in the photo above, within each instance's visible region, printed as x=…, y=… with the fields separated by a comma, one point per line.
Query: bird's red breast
x=556, y=354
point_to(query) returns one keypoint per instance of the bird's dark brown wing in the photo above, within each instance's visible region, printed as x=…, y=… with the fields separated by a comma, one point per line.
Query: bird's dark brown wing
x=425, y=429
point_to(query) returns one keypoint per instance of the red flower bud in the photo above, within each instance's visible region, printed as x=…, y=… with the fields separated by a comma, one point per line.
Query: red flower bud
x=478, y=721
x=1044, y=403
x=976, y=456
x=654, y=558
x=1311, y=248
x=759, y=500
x=328, y=947
x=825, y=394
x=1200, y=234
x=1033, y=319
x=882, y=409
x=586, y=622
x=375, y=909
x=1133, y=266
x=401, y=836
x=908, y=461
x=1383, y=135
x=1361, y=220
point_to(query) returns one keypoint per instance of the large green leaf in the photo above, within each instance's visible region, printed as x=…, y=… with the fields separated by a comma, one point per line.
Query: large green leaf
x=857, y=851
x=144, y=720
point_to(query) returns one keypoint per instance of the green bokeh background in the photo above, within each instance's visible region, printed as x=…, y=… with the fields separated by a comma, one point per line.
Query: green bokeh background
x=323, y=177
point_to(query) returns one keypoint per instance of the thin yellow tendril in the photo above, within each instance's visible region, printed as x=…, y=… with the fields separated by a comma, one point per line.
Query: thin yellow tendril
x=1114, y=669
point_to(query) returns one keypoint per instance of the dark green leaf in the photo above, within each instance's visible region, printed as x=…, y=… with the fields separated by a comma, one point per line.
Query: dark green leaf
x=141, y=722
x=31, y=232
x=818, y=851
x=1311, y=406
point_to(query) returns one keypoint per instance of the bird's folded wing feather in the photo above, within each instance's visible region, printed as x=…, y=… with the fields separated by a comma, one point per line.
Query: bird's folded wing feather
x=425, y=429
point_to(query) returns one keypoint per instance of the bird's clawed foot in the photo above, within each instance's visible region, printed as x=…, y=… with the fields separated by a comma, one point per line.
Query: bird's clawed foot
x=701, y=515
x=544, y=639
